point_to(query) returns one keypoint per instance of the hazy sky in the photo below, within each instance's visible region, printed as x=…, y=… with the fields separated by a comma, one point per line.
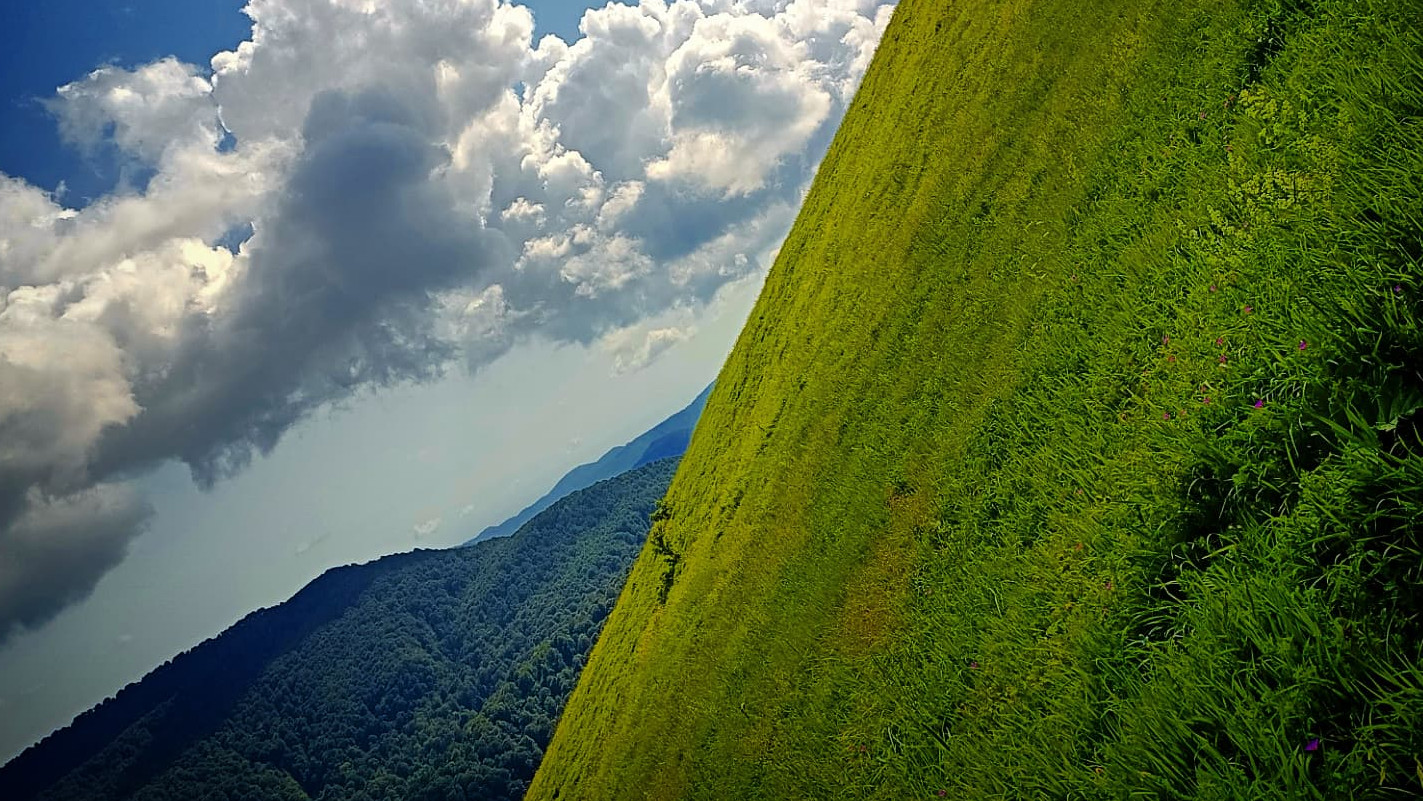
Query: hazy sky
x=341, y=278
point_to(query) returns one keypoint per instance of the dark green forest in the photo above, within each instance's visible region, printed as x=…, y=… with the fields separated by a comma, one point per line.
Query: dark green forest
x=425, y=675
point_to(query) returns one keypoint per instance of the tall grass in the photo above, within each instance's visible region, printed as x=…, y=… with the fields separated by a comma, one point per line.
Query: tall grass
x=1073, y=449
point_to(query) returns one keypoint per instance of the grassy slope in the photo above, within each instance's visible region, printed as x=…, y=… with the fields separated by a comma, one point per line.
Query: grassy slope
x=982, y=504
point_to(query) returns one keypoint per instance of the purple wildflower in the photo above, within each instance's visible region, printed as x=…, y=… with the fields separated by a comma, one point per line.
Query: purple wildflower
x=1398, y=289
x=1222, y=358
x=1303, y=344
x=1212, y=287
x=1312, y=745
x=1220, y=340
x=1260, y=404
x=1249, y=309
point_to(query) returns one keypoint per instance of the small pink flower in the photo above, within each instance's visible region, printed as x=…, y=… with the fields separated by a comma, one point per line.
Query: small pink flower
x=1201, y=116
x=1166, y=416
x=1303, y=344
x=1212, y=287
x=1220, y=340
x=1166, y=340
x=1398, y=289
x=1260, y=404
x=1249, y=309
x=1206, y=400
x=1222, y=358
x=1312, y=745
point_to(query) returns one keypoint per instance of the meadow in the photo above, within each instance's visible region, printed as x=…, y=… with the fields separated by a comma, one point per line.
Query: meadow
x=1073, y=448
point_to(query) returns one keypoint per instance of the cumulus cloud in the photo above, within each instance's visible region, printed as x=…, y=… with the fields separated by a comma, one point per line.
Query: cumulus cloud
x=741, y=97
x=425, y=186
x=635, y=347
x=58, y=547
x=425, y=527
x=144, y=112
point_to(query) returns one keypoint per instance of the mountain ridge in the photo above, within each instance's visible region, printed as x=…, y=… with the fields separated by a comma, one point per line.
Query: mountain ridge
x=475, y=646
x=668, y=438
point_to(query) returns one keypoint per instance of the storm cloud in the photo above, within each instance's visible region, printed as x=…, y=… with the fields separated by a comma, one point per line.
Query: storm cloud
x=425, y=187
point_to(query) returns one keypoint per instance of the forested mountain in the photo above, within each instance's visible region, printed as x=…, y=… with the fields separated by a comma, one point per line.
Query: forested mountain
x=1074, y=447
x=425, y=675
x=664, y=440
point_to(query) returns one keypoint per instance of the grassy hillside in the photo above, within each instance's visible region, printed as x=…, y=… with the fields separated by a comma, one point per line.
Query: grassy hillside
x=425, y=675
x=1073, y=447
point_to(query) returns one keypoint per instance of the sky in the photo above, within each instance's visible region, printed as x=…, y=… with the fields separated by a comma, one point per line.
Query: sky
x=301, y=283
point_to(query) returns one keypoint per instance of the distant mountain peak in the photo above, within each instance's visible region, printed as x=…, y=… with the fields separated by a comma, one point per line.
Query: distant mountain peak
x=668, y=438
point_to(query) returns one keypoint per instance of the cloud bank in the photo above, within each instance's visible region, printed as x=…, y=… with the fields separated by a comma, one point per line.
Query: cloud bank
x=424, y=187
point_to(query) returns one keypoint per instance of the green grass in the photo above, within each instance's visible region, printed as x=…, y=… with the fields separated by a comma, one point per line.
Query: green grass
x=983, y=504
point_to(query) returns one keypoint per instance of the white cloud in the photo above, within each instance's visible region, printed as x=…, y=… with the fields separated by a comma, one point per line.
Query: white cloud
x=144, y=112
x=426, y=184
x=622, y=199
x=62, y=381
x=524, y=211
x=742, y=96
x=636, y=346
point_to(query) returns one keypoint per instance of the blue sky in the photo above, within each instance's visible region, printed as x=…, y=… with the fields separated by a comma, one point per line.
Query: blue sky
x=479, y=259
x=45, y=45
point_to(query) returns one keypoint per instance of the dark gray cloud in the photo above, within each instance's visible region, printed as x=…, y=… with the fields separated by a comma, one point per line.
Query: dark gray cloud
x=55, y=549
x=336, y=296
